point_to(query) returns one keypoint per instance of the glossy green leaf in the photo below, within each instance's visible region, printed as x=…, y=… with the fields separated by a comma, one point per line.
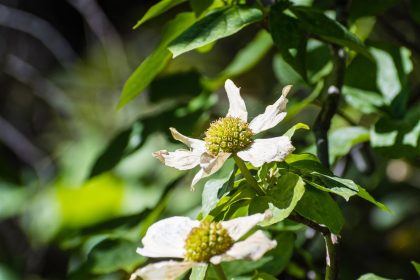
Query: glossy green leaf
x=317, y=23
x=319, y=207
x=199, y=6
x=371, y=276
x=214, y=26
x=157, y=9
x=156, y=62
x=306, y=163
x=343, y=187
x=416, y=266
x=246, y=58
x=263, y=276
x=113, y=255
x=281, y=199
x=289, y=38
x=343, y=139
x=199, y=272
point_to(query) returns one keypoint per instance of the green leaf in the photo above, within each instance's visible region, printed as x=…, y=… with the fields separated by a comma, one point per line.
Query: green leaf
x=291, y=131
x=263, y=276
x=246, y=58
x=214, y=26
x=363, y=100
x=416, y=266
x=371, y=276
x=289, y=38
x=319, y=207
x=343, y=187
x=158, y=9
x=306, y=163
x=315, y=22
x=397, y=138
x=213, y=190
x=122, y=145
x=199, y=6
x=343, y=139
x=199, y=272
x=281, y=254
x=281, y=199
x=112, y=255
x=156, y=62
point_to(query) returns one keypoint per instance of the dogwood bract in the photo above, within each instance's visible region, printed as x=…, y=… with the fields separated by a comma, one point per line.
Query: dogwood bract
x=232, y=135
x=198, y=243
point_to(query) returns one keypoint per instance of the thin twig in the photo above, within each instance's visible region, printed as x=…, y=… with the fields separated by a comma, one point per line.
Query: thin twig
x=323, y=123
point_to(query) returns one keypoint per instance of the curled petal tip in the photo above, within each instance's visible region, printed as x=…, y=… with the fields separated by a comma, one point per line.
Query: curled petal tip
x=286, y=90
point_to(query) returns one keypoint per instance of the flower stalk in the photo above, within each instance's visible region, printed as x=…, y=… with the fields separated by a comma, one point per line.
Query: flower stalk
x=247, y=175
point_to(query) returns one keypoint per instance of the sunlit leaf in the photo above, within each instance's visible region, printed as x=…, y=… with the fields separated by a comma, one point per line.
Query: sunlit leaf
x=199, y=6
x=343, y=187
x=214, y=26
x=343, y=139
x=155, y=62
x=416, y=266
x=319, y=207
x=157, y=9
x=281, y=199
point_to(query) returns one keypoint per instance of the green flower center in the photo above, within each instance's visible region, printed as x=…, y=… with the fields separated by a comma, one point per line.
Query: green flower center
x=206, y=241
x=229, y=135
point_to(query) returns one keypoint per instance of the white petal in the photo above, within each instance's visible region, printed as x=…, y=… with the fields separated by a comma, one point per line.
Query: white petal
x=166, y=238
x=195, y=144
x=252, y=248
x=209, y=164
x=180, y=159
x=267, y=150
x=272, y=115
x=240, y=226
x=168, y=270
x=237, y=107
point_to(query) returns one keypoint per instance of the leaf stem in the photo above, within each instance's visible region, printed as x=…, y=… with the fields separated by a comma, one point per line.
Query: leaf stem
x=219, y=271
x=247, y=175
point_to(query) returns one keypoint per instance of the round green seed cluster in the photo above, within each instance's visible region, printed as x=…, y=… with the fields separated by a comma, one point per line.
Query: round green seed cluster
x=206, y=241
x=229, y=135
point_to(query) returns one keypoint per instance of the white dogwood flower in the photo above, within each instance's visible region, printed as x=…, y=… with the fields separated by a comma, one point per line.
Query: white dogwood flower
x=232, y=135
x=198, y=243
